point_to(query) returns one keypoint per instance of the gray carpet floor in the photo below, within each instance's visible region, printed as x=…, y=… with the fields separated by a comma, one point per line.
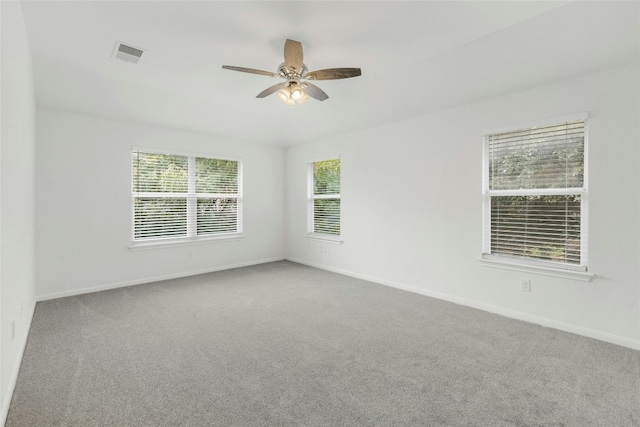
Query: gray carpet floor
x=283, y=344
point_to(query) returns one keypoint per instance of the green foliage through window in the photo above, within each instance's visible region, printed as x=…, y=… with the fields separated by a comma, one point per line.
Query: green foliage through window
x=547, y=157
x=159, y=173
x=216, y=176
x=326, y=177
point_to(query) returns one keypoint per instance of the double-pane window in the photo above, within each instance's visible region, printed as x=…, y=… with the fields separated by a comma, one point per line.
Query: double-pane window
x=535, y=195
x=184, y=197
x=324, y=198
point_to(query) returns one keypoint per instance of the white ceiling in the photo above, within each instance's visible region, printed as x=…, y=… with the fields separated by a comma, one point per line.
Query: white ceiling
x=416, y=57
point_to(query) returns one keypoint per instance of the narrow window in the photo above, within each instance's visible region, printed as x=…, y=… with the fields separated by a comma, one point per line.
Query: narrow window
x=324, y=199
x=535, y=196
x=184, y=197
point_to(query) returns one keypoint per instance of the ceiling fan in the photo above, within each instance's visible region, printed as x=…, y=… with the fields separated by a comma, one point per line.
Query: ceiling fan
x=296, y=88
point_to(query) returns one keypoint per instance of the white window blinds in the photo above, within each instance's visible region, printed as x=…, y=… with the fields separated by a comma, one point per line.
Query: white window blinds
x=324, y=198
x=535, y=195
x=218, y=205
x=177, y=196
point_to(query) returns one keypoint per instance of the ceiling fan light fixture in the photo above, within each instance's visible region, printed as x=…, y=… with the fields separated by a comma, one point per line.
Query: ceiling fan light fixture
x=292, y=94
x=283, y=96
x=297, y=93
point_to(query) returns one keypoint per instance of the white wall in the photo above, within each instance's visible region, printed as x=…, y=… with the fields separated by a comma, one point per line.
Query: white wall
x=412, y=207
x=83, y=193
x=17, y=196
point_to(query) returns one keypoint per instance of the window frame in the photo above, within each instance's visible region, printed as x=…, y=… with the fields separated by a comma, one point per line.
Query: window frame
x=191, y=211
x=311, y=197
x=552, y=268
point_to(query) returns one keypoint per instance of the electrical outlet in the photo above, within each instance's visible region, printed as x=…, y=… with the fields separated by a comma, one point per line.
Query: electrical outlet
x=525, y=285
x=190, y=253
x=323, y=249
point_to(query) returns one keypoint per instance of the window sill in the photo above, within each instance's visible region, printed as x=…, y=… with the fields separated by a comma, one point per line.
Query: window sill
x=325, y=238
x=171, y=243
x=545, y=271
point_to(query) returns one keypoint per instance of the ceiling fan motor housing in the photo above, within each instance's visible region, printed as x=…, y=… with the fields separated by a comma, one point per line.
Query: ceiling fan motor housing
x=292, y=74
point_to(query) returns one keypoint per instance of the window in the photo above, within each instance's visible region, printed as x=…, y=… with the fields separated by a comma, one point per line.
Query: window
x=324, y=199
x=184, y=197
x=535, y=196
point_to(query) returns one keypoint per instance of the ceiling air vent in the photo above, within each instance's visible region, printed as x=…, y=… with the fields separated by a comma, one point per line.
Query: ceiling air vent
x=127, y=53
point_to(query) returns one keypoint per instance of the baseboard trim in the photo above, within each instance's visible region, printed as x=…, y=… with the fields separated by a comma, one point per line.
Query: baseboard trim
x=514, y=314
x=13, y=379
x=124, y=284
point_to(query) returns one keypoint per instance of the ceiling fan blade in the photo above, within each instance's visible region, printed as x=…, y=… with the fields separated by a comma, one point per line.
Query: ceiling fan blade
x=272, y=89
x=250, y=70
x=333, y=74
x=314, y=91
x=293, y=55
